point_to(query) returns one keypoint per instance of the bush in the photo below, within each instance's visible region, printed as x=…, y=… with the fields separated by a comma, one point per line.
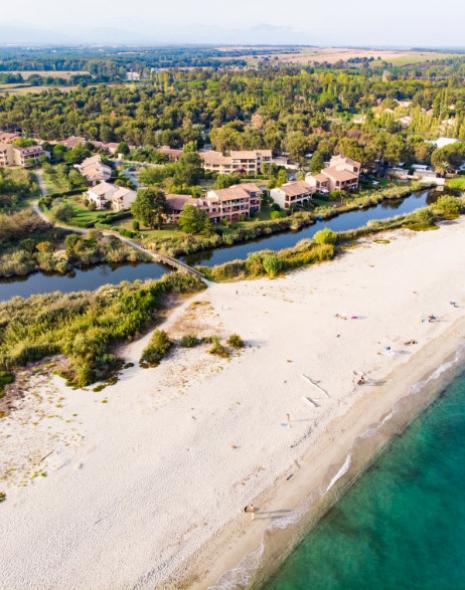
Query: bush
x=189, y=341
x=325, y=236
x=135, y=225
x=448, y=206
x=156, y=350
x=5, y=379
x=235, y=341
x=218, y=349
x=272, y=265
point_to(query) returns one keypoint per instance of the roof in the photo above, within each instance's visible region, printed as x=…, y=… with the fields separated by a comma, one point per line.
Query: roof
x=73, y=141
x=237, y=191
x=294, y=189
x=211, y=157
x=321, y=177
x=347, y=160
x=341, y=175
x=120, y=193
x=97, y=159
x=177, y=202
x=102, y=188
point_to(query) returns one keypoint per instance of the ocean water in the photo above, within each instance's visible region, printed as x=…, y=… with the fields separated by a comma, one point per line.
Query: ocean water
x=402, y=525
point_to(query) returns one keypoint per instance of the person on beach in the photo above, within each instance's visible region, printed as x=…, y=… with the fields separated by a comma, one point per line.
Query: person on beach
x=288, y=417
x=250, y=509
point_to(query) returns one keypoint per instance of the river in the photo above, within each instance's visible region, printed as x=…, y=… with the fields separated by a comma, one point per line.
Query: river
x=95, y=277
x=343, y=222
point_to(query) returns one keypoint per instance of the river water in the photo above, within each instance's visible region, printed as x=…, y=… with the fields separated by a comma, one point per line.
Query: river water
x=88, y=279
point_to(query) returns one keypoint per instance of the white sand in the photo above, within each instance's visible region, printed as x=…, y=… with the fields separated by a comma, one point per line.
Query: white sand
x=126, y=491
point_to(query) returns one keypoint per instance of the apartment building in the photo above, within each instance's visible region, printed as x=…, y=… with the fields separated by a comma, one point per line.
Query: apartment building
x=240, y=200
x=13, y=155
x=245, y=161
x=118, y=198
x=292, y=194
x=341, y=174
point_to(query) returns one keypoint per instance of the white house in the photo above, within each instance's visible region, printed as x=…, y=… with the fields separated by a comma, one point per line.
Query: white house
x=104, y=195
x=292, y=194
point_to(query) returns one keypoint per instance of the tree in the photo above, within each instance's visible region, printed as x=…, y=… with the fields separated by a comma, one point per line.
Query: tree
x=317, y=163
x=226, y=180
x=62, y=212
x=193, y=220
x=149, y=206
x=123, y=148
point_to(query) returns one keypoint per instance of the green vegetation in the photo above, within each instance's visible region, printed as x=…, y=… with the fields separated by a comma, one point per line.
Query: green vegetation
x=194, y=221
x=16, y=186
x=149, y=207
x=190, y=341
x=218, y=349
x=62, y=177
x=457, y=183
x=53, y=250
x=156, y=350
x=6, y=378
x=449, y=207
x=325, y=244
x=84, y=327
x=235, y=341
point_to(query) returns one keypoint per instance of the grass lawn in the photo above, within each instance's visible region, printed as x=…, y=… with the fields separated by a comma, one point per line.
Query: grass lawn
x=82, y=215
x=457, y=183
x=56, y=179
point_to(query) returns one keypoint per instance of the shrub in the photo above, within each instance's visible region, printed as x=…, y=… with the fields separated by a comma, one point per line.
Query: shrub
x=135, y=225
x=156, y=350
x=218, y=349
x=189, y=341
x=325, y=236
x=235, y=341
x=272, y=265
x=448, y=206
x=5, y=379
x=62, y=212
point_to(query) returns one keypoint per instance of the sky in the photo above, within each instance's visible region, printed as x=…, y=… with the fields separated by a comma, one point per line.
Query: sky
x=400, y=23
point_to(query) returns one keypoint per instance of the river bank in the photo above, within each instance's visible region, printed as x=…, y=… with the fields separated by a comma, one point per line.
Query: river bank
x=146, y=481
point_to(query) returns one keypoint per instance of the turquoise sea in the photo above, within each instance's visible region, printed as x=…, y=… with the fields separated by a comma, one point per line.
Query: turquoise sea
x=402, y=526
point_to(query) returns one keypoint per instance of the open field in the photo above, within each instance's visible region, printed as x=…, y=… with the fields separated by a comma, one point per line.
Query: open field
x=24, y=89
x=98, y=481
x=66, y=75
x=333, y=55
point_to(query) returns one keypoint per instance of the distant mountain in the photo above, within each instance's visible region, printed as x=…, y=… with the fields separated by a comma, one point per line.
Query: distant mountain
x=17, y=34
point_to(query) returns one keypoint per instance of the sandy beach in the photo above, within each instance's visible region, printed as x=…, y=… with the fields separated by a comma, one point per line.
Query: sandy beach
x=143, y=484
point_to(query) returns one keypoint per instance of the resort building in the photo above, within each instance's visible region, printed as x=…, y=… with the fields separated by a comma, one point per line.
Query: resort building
x=240, y=200
x=341, y=174
x=94, y=170
x=106, y=195
x=245, y=162
x=176, y=203
x=292, y=194
x=12, y=155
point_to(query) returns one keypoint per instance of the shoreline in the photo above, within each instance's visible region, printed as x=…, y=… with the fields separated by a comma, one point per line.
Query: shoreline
x=259, y=552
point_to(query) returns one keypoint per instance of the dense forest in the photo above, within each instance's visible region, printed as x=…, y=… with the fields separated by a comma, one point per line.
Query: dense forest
x=371, y=114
